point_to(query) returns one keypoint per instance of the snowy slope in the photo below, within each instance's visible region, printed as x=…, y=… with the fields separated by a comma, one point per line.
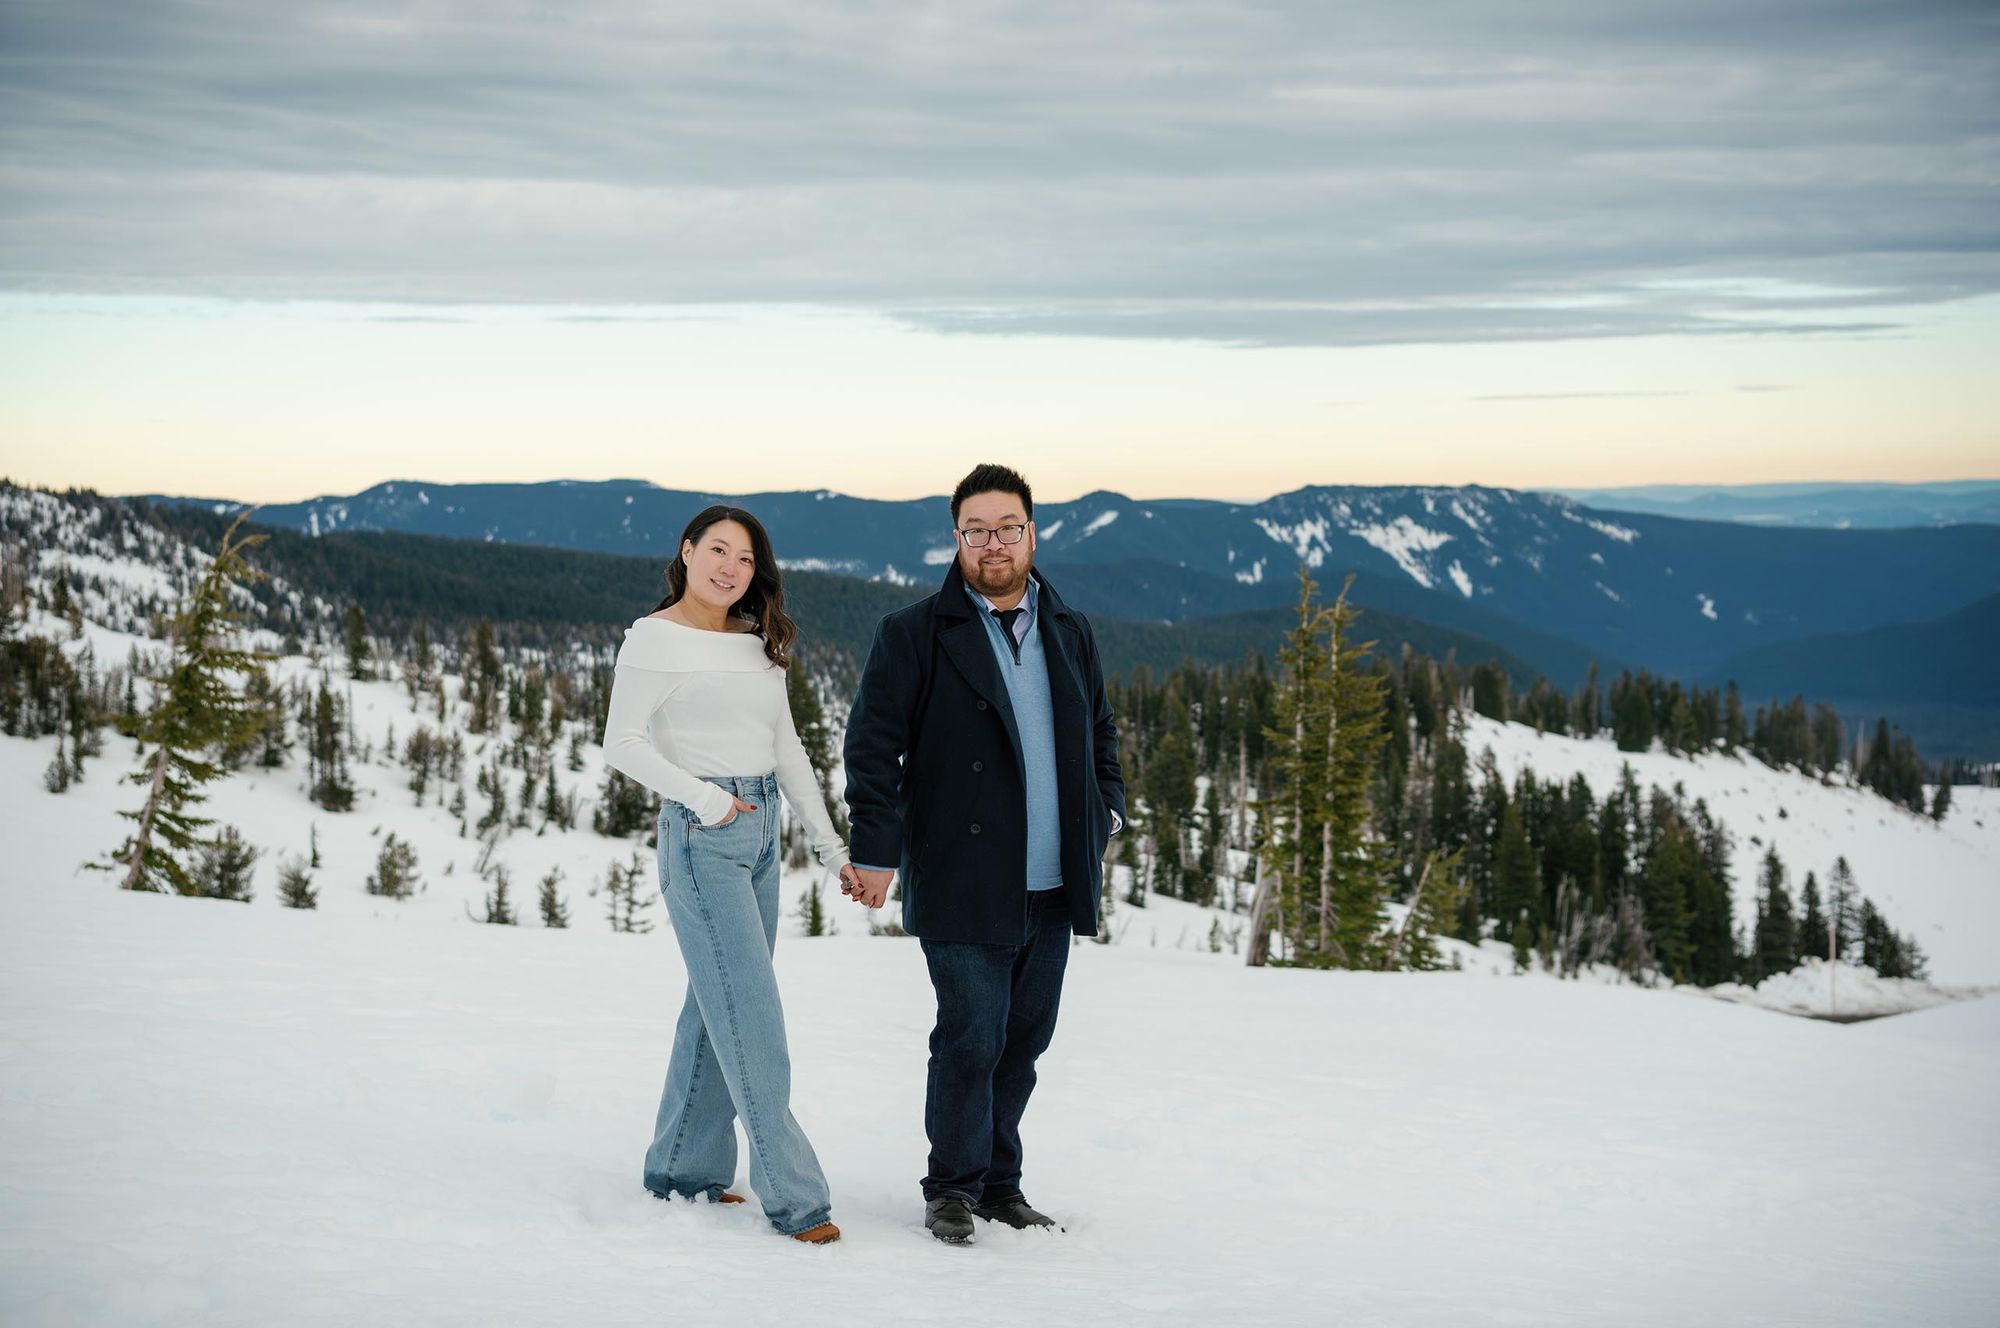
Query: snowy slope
x=381, y=1111
x=225, y=1115
x=1939, y=881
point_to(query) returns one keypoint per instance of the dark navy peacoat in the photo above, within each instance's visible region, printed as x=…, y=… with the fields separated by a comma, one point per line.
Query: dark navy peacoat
x=934, y=767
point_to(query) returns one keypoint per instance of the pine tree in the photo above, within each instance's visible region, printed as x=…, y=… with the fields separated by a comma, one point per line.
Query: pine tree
x=816, y=736
x=1169, y=787
x=812, y=911
x=629, y=899
x=326, y=752
x=354, y=637
x=1514, y=873
x=224, y=869
x=483, y=680
x=1325, y=884
x=198, y=711
x=499, y=907
x=555, y=913
x=623, y=806
x=1812, y=922
x=395, y=874
x=1941, y=799
x=1433, y=912
x=1774, y=947
x=295, y=888
x=1842, y=895
x=1665, y=879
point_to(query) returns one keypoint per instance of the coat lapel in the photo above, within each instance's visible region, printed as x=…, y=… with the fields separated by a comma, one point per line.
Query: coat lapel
x=962, y=635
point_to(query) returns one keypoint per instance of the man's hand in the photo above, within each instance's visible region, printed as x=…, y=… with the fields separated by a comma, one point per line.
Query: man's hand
x=864, y=886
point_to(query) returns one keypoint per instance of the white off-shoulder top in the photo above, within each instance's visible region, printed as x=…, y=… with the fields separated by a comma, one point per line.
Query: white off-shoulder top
x=687, y=702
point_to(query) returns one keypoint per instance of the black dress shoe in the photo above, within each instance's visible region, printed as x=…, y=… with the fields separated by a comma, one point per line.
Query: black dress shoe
x=949, y=1219
x=1016, y=1214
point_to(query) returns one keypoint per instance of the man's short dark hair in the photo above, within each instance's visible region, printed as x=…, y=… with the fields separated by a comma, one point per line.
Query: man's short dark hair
x=990, y=478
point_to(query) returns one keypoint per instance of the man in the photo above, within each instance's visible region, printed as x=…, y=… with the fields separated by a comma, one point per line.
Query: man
x=982, y=763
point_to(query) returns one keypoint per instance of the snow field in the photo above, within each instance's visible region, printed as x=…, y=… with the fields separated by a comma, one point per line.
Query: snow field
x=221, y=1115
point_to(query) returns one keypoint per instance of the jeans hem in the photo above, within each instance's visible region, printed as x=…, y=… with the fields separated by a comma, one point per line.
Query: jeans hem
x=712, y=1193
x=824, y=1216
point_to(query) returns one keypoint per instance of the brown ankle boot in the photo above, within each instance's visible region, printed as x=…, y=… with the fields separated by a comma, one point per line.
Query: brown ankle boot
x=824, y=1234
x=727, y=1197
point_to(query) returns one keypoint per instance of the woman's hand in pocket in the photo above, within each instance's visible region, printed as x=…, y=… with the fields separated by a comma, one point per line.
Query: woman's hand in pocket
x=738, y=805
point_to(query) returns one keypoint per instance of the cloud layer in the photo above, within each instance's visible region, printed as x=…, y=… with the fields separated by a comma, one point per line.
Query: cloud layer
x=1303, y=174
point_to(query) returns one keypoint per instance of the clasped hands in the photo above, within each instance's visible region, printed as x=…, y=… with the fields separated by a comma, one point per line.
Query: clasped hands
x=865, y=886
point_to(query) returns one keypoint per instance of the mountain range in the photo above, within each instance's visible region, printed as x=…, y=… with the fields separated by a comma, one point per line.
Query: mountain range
x=1545, y=577
x=1841, y=506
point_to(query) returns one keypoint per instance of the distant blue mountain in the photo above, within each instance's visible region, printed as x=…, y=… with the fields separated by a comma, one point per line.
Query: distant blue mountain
x=1550, y=579
x=1840, y=506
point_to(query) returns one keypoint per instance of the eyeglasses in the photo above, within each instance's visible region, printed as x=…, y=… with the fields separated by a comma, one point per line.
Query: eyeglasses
x=975, y=537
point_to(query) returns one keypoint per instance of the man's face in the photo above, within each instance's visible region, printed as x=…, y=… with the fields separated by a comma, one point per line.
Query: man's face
x=998, y=571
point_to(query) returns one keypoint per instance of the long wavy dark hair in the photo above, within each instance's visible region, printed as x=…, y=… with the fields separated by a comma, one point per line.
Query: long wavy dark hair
x=764, y=602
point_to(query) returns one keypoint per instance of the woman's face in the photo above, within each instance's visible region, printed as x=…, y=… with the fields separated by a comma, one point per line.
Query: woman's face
x=719, y=565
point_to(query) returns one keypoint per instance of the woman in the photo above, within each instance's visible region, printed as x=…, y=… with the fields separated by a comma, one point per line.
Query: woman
x=699, y=715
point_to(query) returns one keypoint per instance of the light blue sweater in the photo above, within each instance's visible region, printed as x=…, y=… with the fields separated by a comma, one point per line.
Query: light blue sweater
x=1027, y=682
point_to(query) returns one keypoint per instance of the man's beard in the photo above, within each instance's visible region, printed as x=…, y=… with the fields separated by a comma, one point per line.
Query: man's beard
x=999, y=581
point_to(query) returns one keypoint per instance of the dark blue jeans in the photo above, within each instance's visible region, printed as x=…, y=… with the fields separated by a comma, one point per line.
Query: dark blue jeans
x=996, y=1014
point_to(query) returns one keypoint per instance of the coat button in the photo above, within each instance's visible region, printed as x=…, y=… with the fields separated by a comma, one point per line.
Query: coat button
x=982, y=705
x=975, y=827
x=978, y=766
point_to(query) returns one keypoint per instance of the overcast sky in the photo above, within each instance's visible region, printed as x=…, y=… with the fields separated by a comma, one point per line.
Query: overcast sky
x=1572, y=215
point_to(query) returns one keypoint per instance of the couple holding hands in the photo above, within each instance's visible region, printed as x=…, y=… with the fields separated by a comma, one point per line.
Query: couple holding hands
x=982, y=766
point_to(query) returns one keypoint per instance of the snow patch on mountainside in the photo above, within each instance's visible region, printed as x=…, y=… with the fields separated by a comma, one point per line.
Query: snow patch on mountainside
x=1306, y=539
x=1403, y=539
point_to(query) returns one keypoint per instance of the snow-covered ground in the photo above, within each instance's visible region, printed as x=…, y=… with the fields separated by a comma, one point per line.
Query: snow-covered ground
x=382, y=1112
x=379, y=1111
x=1939, y=881
x=216, y=1114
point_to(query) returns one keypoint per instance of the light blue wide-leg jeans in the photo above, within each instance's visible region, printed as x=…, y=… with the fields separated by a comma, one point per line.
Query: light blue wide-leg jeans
x=729, y=1060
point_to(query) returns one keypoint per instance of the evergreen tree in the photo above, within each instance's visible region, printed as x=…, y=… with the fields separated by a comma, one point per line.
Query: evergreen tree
x=483, y=680
x=1169, y=788
x=1490, y=691
x=1842, y=897
x=198, y=711
x=224, y=869
x=624, y=807
x=1433, y=912
x=812, y=911
x=1711, y=912
x=326, y=752
x=555, y=912
x=354, y=638
x=816, y=736
x=628, y=896
x=395, y=874
x=1632, y=722
x=499, y=906
x=1513, y=873
x=1774, y=948
x=493, y=783
x=1812, y=922
x=1666, y=879
x=1735, y=732
x=1330, y=886
x=295, y=887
